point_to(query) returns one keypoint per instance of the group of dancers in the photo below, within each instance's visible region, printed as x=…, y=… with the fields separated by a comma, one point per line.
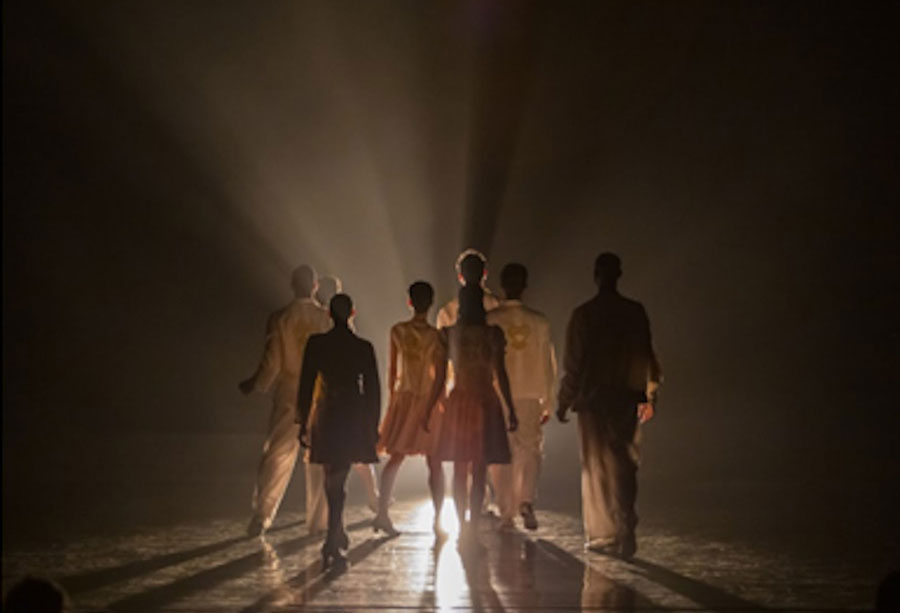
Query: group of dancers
x=443, y=403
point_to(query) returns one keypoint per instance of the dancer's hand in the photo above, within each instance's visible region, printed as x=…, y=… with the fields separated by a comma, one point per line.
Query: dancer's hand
x=304, y=437
x=545, y=417
x=246, y=386
x=645, y=412
x=513, y=423
x=561, y=415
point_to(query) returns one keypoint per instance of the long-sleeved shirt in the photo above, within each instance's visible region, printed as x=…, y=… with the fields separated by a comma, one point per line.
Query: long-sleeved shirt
x=449, y=313
x=530, y=357
x=609, y=355
x=287, y=331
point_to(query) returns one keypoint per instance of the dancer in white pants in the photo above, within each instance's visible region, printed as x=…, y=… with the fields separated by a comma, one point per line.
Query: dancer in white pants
x=279, y=369
x=531, y=364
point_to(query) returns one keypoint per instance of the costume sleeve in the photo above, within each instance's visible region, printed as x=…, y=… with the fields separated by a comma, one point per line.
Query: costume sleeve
x=270, y=363
x=308, y=374
x=654, y=371
x=372, y=387
x=549, y=360
x=573, y=361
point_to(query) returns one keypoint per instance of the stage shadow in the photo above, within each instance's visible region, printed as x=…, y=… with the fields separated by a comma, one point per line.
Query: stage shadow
x=84, y=582
x=599, y=591
x=701, y=593
x=155, y=598
x=312, y=580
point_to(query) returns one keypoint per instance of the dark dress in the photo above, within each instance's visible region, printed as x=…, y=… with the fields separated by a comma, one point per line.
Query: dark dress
x=348, y=398
x=473, y=428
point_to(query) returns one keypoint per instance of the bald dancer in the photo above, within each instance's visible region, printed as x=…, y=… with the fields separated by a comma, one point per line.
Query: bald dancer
x=287, y=331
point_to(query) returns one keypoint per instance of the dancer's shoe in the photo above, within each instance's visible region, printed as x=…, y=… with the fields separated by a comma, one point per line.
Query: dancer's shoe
x=528, y=517
x=332, y=557
x=382, y=523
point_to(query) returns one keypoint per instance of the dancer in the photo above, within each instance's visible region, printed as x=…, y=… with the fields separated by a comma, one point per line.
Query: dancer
x=417, y=353
x=473, y=433
x=329, y=286
x=610, y=379
x=471, y=269
x=531, y=364
x=286, y=334
x=346, y=426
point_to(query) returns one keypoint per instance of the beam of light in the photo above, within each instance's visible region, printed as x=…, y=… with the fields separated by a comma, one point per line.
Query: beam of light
x=450, y=585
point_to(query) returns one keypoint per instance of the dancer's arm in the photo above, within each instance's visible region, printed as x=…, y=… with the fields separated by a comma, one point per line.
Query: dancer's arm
x=440, y=380
x=503, y=376
x=308, y=375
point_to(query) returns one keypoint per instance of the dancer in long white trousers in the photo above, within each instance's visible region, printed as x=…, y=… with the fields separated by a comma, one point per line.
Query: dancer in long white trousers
x=531, y=364
x=279, y=369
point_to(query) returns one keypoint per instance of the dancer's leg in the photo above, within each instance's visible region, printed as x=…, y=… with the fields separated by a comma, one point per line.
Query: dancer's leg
x=366, y=474
x=479, y=475
x=437, y=487
x=460, y=489
x=388, y=477
x=335, y=482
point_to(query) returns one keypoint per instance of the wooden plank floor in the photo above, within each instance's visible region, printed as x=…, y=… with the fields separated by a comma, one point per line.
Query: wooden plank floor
x=213, y=567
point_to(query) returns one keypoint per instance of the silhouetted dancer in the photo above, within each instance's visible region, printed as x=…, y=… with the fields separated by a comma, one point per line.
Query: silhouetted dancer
x=471, y=269
x=531, y=364
x=473, y=432
x=610, y=378
x=347, y=410
x=329, y=286
x=417, y=349
x=287, y=331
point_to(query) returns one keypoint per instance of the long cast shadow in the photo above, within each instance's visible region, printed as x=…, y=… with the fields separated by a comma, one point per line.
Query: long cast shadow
x=312, y=580
x=153, y=599
x=701, y=593
x=705, y=595
x=91, y=580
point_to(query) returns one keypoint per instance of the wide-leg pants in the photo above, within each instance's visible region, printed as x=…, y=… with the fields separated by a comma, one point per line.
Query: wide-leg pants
x=609, y=461
x=516, y=482
x=279, y=454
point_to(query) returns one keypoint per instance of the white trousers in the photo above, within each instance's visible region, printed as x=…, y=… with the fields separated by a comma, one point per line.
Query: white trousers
x=279, y=454
x=517, y=482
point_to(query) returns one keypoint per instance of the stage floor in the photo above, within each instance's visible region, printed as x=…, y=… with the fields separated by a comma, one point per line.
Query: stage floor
x=212, y=566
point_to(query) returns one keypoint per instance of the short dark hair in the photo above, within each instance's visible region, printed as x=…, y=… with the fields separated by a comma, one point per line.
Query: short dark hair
x=607, y=266
x=514, y=279
x=341, y=307
x=421, y=295
x=470, y=264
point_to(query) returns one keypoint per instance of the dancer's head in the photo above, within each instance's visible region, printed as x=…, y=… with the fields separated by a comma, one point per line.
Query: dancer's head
x=421, y=296
x=35, y=595
x=304, y=281
x=513, y=280
x=471, y=305
x=329, y=286
x=471, y=267
x=341, y=308
x=607, y=270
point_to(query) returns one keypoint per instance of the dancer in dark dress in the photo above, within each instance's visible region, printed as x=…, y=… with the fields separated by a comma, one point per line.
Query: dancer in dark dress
x=473, y=432
x=345, y=430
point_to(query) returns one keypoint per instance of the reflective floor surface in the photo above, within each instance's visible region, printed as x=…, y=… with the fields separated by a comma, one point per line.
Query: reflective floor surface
x=212, y=566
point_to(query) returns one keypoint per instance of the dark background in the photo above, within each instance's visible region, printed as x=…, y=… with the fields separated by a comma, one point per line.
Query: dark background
x=167, y=164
